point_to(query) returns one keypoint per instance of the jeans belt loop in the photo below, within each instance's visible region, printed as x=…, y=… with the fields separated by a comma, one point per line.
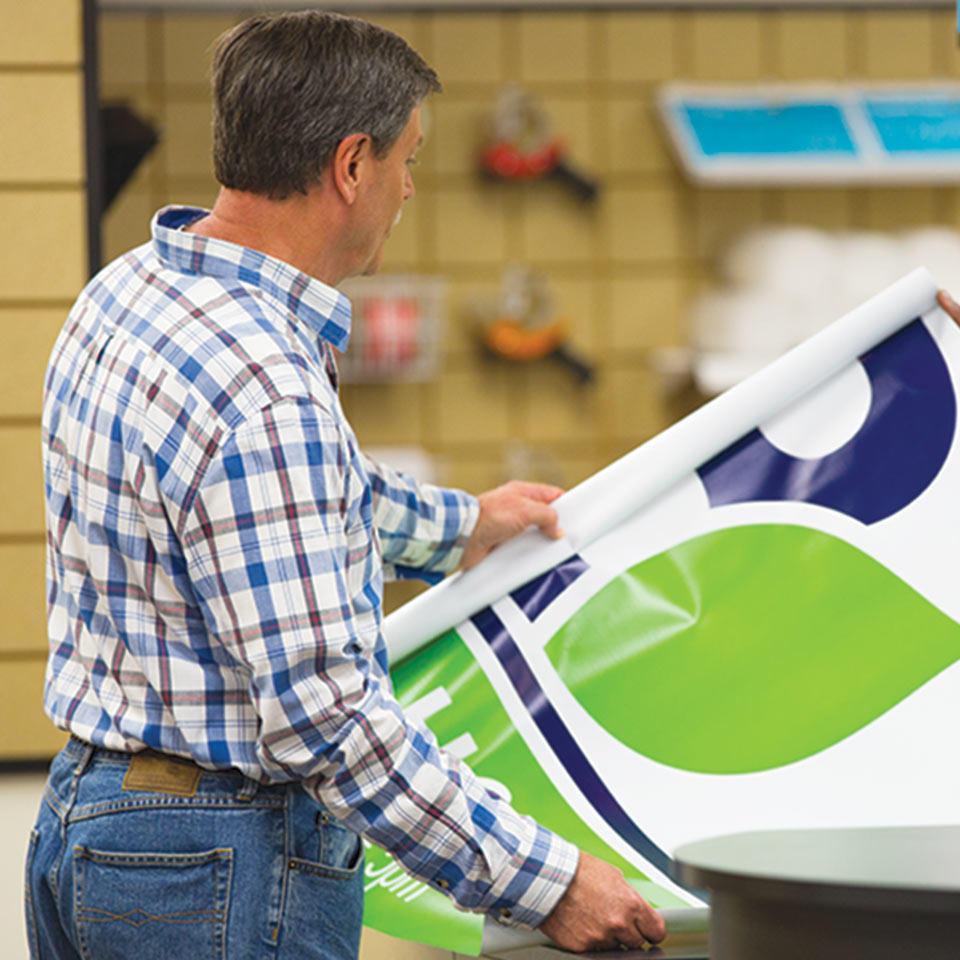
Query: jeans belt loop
x=248, y=790
x=82, y=763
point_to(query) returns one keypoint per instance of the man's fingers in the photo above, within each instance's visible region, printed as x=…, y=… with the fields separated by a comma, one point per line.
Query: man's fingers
x=949, y=304
x=544, y=492
x=631, y=936
x=545, y=518
x=651, y=924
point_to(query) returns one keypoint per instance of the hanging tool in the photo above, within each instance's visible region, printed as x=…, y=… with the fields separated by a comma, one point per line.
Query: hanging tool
x=523, y=328
x=522, y=146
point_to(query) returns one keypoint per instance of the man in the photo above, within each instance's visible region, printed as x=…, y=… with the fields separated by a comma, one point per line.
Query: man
x=216, y=550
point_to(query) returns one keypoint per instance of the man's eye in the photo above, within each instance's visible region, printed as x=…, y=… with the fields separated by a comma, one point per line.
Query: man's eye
x=412, y=162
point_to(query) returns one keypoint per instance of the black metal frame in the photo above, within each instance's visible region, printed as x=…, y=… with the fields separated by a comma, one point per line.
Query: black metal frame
x=94, y=155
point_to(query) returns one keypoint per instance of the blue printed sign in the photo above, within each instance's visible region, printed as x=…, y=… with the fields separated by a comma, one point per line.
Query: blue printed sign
x=916, y=125
x=826, y=134
x=750, y=129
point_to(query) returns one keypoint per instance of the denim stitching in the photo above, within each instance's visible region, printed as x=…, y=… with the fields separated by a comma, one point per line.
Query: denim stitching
x=53, y=802
x=96, y=915
x=93, y=810
x=54, y=877
x=285, y=878
x=322, y=870
x=224, y=895
x=31, y=914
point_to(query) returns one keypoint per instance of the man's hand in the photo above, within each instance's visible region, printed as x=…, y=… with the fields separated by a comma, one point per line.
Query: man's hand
x=507, y=511
x=950, y=305
x=601, y=911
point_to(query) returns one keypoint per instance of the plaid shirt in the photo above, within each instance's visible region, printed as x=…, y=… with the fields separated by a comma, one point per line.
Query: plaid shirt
x=216, y=553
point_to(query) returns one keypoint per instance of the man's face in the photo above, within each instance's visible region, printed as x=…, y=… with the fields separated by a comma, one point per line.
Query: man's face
x=391, y=189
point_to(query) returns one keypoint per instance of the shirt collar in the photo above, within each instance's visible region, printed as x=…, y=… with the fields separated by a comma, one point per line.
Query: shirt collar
x=318, y=306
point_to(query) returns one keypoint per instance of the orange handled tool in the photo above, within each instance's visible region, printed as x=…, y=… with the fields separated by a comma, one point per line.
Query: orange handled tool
x=523, y=328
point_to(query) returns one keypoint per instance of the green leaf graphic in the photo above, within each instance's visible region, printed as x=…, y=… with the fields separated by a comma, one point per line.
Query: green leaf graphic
x=750, y=648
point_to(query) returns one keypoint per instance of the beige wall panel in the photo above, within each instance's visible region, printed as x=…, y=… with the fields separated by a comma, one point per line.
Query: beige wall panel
x=826, y=209
x=726, y=46
x=456, y=133
x=576, y=303
x=187, y=139
x=812, y=45
x=641, y=223
x=471, y=225
x=192, y=193
x=474, y=405
x=946, y=49
x=555, y=47
x=123, y=50
x=896, y=44
x=27, y=336
x=637, y=142
x=44, y=245
x=411, y=26
x=126, y=224
x=639, y=47
x=892, y=209
x=577, y=469
x=24, y=604
x=645, y=312
x=631, y=408
x=722, y=215
x=41, y=32
x=187, y=47
x=466, y=47
x=21, y=480
x=47, y=109
x=557, y=227
x=25, y=730
x=556, y=407
x=386, y=413
x=474, y=474
x=403, y=248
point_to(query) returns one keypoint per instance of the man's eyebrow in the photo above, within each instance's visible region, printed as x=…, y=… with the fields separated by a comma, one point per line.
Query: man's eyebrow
x=419, y=142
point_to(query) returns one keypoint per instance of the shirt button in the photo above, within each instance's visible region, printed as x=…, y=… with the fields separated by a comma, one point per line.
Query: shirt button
x=443, y=884
x=506, y=913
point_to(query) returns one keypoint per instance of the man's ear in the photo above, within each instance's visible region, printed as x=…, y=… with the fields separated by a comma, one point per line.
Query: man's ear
x=348, y=168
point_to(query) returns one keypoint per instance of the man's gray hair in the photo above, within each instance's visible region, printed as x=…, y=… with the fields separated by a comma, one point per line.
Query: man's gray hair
x=287, y=88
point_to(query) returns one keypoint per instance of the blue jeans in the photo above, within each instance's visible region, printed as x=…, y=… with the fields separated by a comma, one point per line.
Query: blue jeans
x=206, y=865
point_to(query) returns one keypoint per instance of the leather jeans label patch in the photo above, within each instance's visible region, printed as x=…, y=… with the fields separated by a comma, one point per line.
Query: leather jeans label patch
x=155, y=774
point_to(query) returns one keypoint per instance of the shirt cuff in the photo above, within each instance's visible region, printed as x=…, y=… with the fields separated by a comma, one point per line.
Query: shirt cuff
x=553, y=861
x=471, y=514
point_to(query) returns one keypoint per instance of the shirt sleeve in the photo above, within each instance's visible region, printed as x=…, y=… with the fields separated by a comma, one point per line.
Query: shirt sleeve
x=421, y=526
x=280, y=576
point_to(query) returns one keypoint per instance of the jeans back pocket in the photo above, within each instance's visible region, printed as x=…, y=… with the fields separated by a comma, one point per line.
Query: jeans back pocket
x=151, y=906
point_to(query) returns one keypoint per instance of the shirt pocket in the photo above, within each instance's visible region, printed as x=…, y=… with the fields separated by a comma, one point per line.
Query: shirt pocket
x=151, y=905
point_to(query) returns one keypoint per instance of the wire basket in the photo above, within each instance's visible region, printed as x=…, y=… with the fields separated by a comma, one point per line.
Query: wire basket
x=396, y=329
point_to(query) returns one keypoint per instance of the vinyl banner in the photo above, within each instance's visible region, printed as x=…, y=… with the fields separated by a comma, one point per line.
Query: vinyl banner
x=750, y=624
